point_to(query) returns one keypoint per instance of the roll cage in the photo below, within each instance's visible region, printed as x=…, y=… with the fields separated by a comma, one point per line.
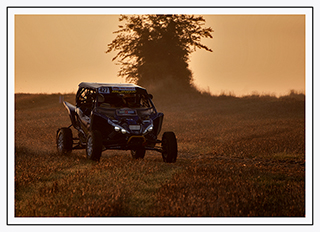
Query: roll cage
x=90, y=96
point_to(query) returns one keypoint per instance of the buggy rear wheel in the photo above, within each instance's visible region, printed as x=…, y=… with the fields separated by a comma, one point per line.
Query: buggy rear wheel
x=169, y=147
x=138, y=153
x=94, y=145
x=64, y=140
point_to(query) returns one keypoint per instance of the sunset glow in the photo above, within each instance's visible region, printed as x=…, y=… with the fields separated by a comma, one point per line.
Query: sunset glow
x=251, y=53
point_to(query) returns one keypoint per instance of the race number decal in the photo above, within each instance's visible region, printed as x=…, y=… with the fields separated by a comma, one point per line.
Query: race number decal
x=104, y=90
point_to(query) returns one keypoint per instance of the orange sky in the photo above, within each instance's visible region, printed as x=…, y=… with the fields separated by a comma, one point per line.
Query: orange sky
x=251, y=53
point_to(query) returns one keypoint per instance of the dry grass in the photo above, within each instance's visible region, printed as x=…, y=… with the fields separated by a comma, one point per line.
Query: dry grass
x=237, y=157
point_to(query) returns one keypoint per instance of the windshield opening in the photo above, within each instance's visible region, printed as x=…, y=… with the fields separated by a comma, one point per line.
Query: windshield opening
x=119, y=100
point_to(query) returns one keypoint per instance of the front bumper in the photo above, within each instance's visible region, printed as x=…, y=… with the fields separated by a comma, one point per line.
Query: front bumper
x=130, y=142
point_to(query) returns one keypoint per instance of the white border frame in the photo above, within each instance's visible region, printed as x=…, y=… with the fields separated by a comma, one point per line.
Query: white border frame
x=308, y=220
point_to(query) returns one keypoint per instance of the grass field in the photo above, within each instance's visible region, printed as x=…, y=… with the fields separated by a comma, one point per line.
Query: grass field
x=237, y=157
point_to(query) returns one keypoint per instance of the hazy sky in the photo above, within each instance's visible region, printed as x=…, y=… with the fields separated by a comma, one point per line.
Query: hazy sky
x=262, y=53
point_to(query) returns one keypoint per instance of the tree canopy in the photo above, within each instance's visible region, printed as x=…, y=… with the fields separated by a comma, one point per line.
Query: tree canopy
x=155, y=49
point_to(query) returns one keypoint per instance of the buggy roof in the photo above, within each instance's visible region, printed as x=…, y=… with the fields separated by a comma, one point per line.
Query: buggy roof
x=93, y=85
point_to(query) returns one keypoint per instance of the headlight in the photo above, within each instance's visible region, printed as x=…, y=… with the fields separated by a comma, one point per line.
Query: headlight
x=118, y=128
x=148, y=129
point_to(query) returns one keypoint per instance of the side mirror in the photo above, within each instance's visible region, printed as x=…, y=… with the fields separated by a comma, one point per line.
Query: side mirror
x=150, y=96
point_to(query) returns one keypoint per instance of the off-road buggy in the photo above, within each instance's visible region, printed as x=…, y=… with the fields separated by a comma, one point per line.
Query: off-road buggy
x=115, y=116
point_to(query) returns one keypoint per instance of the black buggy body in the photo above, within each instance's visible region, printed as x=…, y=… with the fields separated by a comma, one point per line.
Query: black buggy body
x=115, y=116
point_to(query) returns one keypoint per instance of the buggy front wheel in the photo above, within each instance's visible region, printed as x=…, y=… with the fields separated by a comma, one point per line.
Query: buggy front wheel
x=64, y=140
x=94, y=145
x=169, y=147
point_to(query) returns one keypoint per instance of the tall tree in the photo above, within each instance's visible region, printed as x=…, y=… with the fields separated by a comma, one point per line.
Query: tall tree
x=155, y=49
